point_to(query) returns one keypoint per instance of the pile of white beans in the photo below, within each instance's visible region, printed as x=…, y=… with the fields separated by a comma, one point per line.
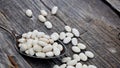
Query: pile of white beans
x=39, y=44
x=67, y=36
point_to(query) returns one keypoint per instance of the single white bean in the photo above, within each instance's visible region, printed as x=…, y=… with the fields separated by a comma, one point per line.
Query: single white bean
x=56, y=66
x=68, y=28
x=55, y=36
x=83, y=57
x=29, y=43
x=66, y=59
x=29, y=34
x=63, y=66
x=75, y=49
x=60, y=47
x=51, y=41
x=84, y=66
x=49, y=54
x=43, y=12
x=81, y=46
x=40, y=54
x=70, y=67
x=72, y=62
x=27, y=52
x=56, y=51
x=89, y=54
x=22, y=40
x=76, y=57
x=54, y=10
x=75, y=32
x=47, y=48
x=41, y=43
x=62, y=35
x=41, y=18
x=40, y=34
x=92, y=66
x=23, y=47
x=48, y=24
x=24, y=35
x=37, y=48
x=34, y=42
x=69, y=34
x=29, y=13
x=31, y=52
x=67, y=40
x=44, y=40
x=74, y=41
x=78, y=65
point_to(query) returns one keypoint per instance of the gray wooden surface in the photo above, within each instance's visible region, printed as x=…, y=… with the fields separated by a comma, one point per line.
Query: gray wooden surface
x=98, y=25
x=115, y=4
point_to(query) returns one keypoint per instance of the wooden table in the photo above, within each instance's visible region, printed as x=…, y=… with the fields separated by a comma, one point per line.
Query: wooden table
x=98, y=24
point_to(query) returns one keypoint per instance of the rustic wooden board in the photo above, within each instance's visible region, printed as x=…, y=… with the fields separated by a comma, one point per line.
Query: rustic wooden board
x=98, y=25
x=115, y=4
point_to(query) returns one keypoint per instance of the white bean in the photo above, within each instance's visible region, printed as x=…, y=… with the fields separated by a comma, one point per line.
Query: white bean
x=37, y=48
x=51, y=41
x=81, y=46
x=29, y=34
x=41, y=18
x=68, y=28
x=49, y=54
x=43, y=12
x=84, y=66
x=56, y=51
x=56, y=66
x=74, y=41
x=47, y=48
x=62, y=35
x=22, y=40
x=78, y=65
x=44, y=40
x=70, y=67
x=55, y=36
x=29, y=13
x=31, y=52
x=66, y=59
x=48, y=24
x=76, y=57
x=92, y=66
x=41, y=43
x=34, y=42
x=40, y=34
x=29, y=43
x=67, y=40
x=75, y=49
x=54, y=10
x=27, y=52
x=23, y=47
x=60, y=47
x=89, y=54
x=83, y=57
x=40, y=54
x=72, y=62
x=69, y=35
x=63, y=66
x=46, y=36
x=75, y=32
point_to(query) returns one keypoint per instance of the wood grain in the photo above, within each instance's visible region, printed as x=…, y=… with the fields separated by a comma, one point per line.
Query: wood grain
x=115, y=4
x=97, y=23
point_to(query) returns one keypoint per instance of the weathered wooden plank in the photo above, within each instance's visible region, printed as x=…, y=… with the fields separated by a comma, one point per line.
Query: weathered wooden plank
x=115, y=4
x=98, y=25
